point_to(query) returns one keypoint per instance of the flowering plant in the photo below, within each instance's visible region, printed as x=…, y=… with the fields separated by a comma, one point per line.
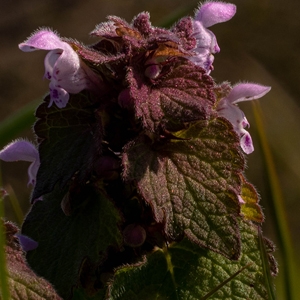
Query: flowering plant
x=139, y=165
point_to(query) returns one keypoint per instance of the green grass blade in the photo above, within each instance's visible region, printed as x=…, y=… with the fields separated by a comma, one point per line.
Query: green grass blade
x=280, y=218
x=266, y=267
x=207, y=296
x=175, y=15
x=15, y=205
x=4, y=289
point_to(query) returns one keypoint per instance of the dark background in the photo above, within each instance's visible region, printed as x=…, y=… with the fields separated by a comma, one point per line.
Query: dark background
x=260, y=44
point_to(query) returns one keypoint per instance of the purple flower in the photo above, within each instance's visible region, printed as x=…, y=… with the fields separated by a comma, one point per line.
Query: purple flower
x=63, y=67
x=26, y=243
x=227, y=108
x=208, y=14
x=23, y=150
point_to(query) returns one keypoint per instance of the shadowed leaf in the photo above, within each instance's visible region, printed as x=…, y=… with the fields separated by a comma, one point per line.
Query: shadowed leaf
x=65, y=241
x=70, y=139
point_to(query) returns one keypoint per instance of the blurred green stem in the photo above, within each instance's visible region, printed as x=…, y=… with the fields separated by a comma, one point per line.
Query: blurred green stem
x=280, y=218
x=4, y=289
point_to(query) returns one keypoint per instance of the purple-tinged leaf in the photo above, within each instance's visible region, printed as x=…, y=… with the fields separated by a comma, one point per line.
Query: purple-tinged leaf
x=184, y=30
x=184, y=95
x=192, y=183
x=23, y=282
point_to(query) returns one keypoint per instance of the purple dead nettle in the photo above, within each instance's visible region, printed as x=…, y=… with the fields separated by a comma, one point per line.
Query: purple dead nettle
x=63, y=67
x=208, y=14
x=228, y=109
x=26, y=151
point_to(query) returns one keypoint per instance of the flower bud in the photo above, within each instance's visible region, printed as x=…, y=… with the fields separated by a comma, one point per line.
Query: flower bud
x=134, y=235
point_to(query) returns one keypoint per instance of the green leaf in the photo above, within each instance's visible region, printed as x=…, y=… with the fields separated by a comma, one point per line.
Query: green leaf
x=69, y=138
x=185, y=271
x=192, y=183
x=22, y=281
x=66, y=242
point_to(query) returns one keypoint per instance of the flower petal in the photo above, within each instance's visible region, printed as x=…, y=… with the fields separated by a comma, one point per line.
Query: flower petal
x=232, y=113
x=44, y=39
x=241, y=200
x=205, y=47
x=19, y=150
x=212, y=13
x=247, y=91
x=58, y=95
x=246, y=143
x=26, y=243
x=50, y=61
x=32, y=172
x=23, y=150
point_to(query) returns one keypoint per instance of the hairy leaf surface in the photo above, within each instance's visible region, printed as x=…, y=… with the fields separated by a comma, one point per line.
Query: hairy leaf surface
x=251, y=209
x=192, y=183
x=23, y=282
x=184, y=271
x=185, y=95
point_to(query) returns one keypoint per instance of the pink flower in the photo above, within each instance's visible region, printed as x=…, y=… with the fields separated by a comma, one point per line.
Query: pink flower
x=228, y=109
x=23, y=150
x=208, y=14
x=63, y=67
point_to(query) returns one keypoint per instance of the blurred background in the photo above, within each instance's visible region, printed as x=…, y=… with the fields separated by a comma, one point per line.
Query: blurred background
x=260, y=44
